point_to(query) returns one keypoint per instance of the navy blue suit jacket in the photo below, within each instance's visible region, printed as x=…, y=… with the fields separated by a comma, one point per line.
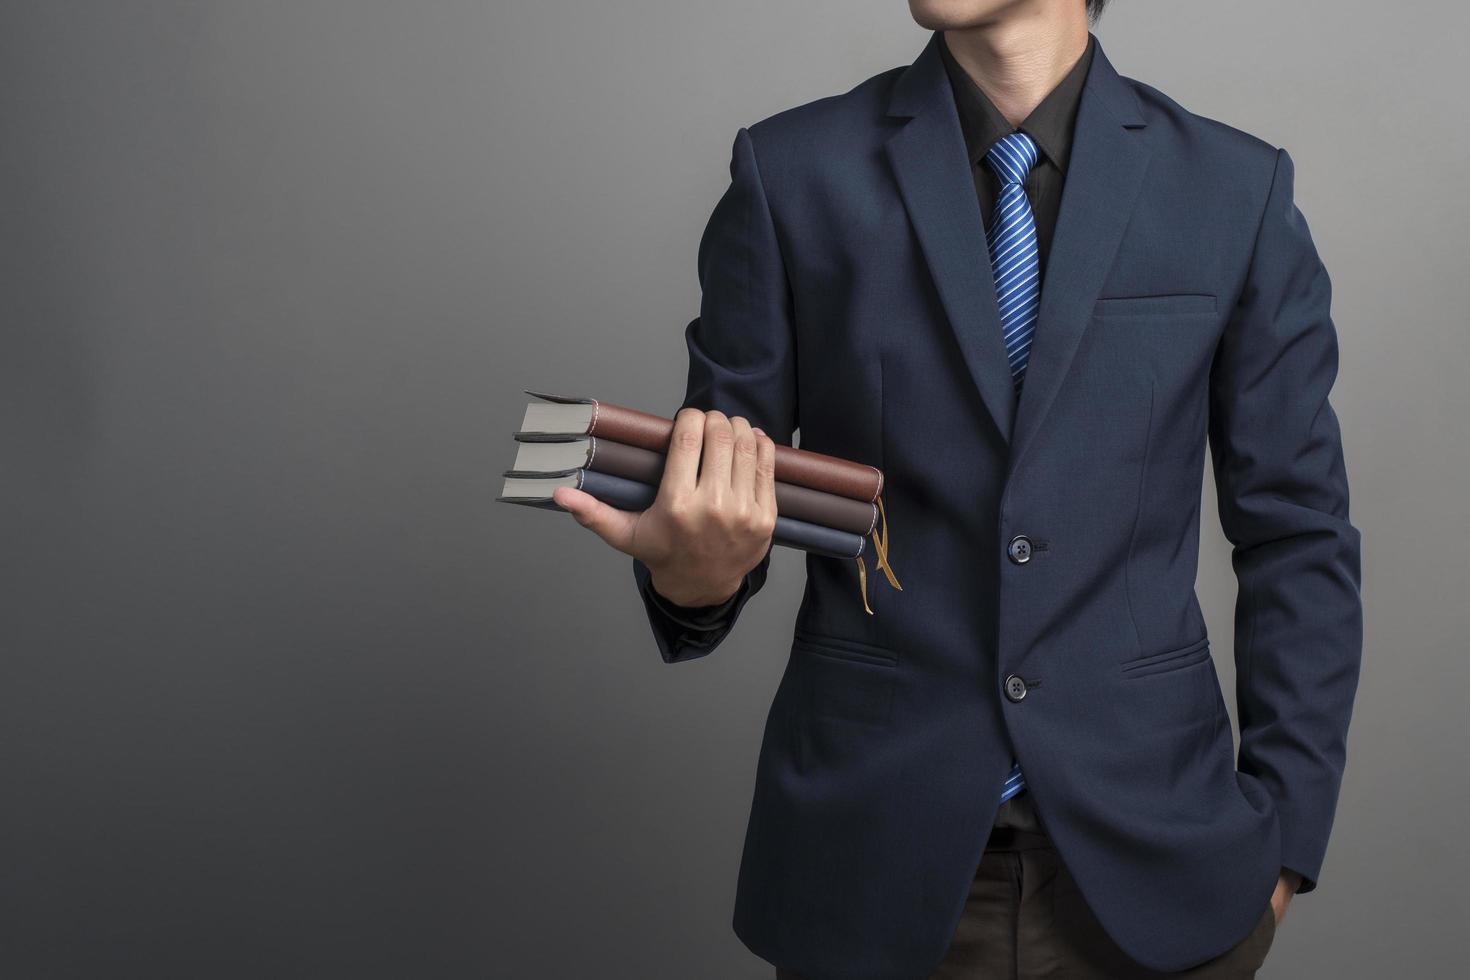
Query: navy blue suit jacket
x=847, y=292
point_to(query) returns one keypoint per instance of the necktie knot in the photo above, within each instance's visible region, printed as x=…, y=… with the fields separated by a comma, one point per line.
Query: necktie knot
x=1012, y=157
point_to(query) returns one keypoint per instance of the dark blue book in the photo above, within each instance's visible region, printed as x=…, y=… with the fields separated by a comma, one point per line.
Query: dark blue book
x=534, y=489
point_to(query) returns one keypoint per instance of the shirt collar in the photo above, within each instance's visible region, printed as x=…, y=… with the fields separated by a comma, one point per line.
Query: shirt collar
x=1049, y=124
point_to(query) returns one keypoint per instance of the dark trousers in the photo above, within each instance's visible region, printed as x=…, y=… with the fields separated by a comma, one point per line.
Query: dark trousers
x=1026, y=920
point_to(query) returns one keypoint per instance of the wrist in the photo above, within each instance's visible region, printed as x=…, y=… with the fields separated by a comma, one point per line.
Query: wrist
x=692, y=599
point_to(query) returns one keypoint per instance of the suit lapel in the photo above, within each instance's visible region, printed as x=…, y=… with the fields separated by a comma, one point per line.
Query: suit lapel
x=1110, y=154
x=932, y=167
x=1104, y=175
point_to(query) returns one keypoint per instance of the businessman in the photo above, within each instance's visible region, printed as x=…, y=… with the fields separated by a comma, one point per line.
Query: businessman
x=1033, y=292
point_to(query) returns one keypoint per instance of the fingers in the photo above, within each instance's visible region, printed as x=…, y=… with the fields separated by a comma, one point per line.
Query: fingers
x=765, y=473
x=681, y=466
x=719, y=445
x=742, y=460
x=612, y=525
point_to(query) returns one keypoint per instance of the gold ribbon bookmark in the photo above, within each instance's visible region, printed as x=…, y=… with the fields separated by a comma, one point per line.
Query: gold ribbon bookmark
x=880, y=549
x=880, y=546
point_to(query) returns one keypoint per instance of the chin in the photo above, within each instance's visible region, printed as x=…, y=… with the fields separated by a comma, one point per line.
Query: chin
x=950, y=15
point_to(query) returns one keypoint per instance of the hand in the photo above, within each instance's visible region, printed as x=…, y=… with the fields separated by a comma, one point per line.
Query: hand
x=714, y=515
x=1286, y=887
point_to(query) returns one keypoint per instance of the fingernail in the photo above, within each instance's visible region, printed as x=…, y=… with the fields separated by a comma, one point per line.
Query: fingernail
x=759, y=431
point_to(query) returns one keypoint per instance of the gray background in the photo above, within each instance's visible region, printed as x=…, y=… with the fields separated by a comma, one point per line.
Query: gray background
x=283, y=693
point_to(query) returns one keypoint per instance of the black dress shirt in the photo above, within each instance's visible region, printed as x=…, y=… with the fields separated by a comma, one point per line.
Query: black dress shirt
x=1050, y=125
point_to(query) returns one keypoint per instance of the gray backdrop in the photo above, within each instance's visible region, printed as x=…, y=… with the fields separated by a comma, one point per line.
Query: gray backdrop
x=283, y=693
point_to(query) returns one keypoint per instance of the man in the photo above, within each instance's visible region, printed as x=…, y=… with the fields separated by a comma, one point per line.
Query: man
x=1031, y=291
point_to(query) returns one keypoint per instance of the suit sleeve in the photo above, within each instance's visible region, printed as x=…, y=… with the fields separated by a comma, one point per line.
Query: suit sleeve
x=1283, y=503
x=742, y=361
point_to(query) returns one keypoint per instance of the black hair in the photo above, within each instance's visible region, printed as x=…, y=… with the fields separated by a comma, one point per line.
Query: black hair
x=1095, y=8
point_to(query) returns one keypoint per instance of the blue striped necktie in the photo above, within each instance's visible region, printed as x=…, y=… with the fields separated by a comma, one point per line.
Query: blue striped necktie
x=1013, y=255
x=1017, y=270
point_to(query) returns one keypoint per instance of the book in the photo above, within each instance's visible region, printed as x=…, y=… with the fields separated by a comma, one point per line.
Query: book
x=560, y=416
x=557, y=453
x=825, y=505
x=534, y=488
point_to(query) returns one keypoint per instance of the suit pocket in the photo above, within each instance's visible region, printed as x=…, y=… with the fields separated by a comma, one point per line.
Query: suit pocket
x=1170, y=660
x=1173, y=304
x=842, y=648
x=843, y=679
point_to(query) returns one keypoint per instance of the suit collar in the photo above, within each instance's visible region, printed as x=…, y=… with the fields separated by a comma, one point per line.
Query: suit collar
x=931, y=165
x=921, y=85
x=1050, y=124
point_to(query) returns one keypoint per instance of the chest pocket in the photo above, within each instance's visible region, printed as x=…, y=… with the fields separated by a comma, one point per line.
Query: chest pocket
x=1171, y=304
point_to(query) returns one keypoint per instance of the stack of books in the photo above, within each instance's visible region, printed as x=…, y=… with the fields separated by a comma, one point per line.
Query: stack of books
x=825, y=505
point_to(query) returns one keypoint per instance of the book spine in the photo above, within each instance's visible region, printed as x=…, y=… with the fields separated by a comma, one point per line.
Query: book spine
x=801, y=503
x=628, y=494
x=800, y=467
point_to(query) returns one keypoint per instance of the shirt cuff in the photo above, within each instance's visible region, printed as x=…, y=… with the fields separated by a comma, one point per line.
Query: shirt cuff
x=698, y=617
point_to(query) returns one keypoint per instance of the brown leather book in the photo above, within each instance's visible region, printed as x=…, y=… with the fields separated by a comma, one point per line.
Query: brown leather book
x=555, y=452
x=560, y=415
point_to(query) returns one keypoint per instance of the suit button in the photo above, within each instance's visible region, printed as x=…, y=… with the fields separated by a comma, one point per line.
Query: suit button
x=1015, y=687
x=1019, y=549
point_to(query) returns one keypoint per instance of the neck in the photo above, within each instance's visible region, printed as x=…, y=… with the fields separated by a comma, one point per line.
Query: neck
x=1018, y=58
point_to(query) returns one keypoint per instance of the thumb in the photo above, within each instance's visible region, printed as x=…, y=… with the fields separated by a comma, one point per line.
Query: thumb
x=612, y=525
